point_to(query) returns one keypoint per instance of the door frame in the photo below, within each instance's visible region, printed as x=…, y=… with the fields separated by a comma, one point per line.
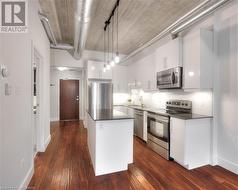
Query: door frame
x=71, y=78
x=39, y=126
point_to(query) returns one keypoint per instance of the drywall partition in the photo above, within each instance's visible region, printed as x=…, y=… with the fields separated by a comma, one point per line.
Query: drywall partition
x=16, y=105
x=40, y=42
x=227, y=81
x=1, y=117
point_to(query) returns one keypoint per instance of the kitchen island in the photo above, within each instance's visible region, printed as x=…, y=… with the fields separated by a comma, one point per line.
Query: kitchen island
x=110, y=140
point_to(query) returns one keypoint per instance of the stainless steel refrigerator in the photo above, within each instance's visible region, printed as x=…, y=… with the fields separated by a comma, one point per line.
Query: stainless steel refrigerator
x=100, y=95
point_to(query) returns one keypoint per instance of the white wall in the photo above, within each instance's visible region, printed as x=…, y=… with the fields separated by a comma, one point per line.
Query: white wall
x=16, y=109
x=227, y=87
x=64, y=59
x=56, y=75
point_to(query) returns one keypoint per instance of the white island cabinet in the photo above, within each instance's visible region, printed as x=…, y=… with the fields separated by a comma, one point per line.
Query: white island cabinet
x=190, y=141
x=110, y=141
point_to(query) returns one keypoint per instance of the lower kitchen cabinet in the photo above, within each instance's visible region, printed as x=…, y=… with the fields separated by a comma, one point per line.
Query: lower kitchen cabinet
x=190, y=142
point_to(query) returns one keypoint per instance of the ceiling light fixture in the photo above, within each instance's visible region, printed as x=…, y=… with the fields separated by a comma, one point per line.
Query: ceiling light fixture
x=108, y=60
x=112, y=63
x=115, y=59
x=104, y=46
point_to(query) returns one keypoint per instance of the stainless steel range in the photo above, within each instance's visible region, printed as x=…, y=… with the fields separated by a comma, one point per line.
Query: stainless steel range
x=159, y=126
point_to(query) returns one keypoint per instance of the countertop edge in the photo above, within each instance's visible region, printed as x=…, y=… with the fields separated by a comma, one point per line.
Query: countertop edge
x=122, y=118
x=199, y=116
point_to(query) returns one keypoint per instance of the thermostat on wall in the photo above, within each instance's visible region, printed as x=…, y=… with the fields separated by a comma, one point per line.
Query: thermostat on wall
x=4, y=71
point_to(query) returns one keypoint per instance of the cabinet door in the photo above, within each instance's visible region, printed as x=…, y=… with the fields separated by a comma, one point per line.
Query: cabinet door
x=191, y=60
x=177, y=140
x=119, y=79
x=198, y=59
x=169, y=55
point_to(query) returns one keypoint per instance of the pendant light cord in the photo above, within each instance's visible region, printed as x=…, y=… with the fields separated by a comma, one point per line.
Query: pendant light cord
x=108, y=43
x=117, y=27
x=112, y=35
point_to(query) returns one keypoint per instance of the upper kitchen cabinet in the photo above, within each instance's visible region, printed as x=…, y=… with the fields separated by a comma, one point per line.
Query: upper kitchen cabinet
x=169, y=55
x=142, y=74
x=95, y=71
x=198, y=59
x=119, y=79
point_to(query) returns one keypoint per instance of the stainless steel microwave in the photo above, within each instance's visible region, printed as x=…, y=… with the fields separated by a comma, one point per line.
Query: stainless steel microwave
x=171, y=78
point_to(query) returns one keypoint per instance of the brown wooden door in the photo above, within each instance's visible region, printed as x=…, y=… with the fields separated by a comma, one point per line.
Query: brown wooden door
x=69, y=99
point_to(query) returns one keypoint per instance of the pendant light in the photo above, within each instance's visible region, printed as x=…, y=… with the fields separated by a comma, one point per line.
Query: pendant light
x=104, y=47
x=108, y=60
x=117, y=58
x=112, y=63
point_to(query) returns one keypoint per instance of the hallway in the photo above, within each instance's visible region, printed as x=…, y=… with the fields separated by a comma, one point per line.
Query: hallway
x=66, y=165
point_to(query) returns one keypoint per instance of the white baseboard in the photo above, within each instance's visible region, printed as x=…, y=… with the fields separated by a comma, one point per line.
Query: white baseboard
x=233, y=167
x=54, y=119
x=27, y=179
x=47, y=142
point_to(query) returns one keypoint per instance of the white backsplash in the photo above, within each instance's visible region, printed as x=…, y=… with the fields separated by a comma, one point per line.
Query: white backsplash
x=202, y=100
x=120, y=98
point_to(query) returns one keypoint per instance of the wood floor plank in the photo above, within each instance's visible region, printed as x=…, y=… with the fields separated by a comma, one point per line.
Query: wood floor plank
x=66, y=165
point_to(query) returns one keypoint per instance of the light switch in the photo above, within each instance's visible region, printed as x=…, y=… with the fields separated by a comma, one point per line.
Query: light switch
x=8, y=89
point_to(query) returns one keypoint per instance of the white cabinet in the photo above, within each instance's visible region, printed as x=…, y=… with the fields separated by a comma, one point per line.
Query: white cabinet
x=198, y=59
x=169, y=55
x=190, y=142
x=142, y=74
x=95, y=70
x=119, y=79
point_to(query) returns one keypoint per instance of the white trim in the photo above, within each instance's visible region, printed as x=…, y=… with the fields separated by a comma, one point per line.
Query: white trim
x=54, y=119
x=27, y=179
x=47, y=142
x=233, y=167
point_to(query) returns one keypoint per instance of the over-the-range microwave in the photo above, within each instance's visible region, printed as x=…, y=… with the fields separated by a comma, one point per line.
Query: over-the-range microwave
x=170, y=78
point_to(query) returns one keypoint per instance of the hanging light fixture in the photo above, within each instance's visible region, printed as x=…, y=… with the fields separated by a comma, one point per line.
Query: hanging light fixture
x=108, y=60
x=112, y=63
x=104, y=47
x=117, y=58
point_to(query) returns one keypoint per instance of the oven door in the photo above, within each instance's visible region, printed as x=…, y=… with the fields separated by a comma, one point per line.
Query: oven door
x=158, y=127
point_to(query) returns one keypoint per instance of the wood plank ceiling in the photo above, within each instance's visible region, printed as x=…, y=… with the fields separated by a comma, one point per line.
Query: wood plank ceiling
x=139, y=20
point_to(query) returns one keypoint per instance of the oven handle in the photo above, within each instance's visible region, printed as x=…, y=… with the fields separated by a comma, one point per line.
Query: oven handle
x=172, y=77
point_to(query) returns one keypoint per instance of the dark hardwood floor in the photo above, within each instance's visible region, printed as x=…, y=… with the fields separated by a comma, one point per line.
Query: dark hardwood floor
x=66, y=165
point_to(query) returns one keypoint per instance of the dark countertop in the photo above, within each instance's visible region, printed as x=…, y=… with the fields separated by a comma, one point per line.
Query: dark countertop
x=108, y=114
x=184, y=116
x=188, y=116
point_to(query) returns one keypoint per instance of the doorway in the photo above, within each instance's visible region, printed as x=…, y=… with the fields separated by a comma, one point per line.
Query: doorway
x=69, y=99
x=37, y=61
